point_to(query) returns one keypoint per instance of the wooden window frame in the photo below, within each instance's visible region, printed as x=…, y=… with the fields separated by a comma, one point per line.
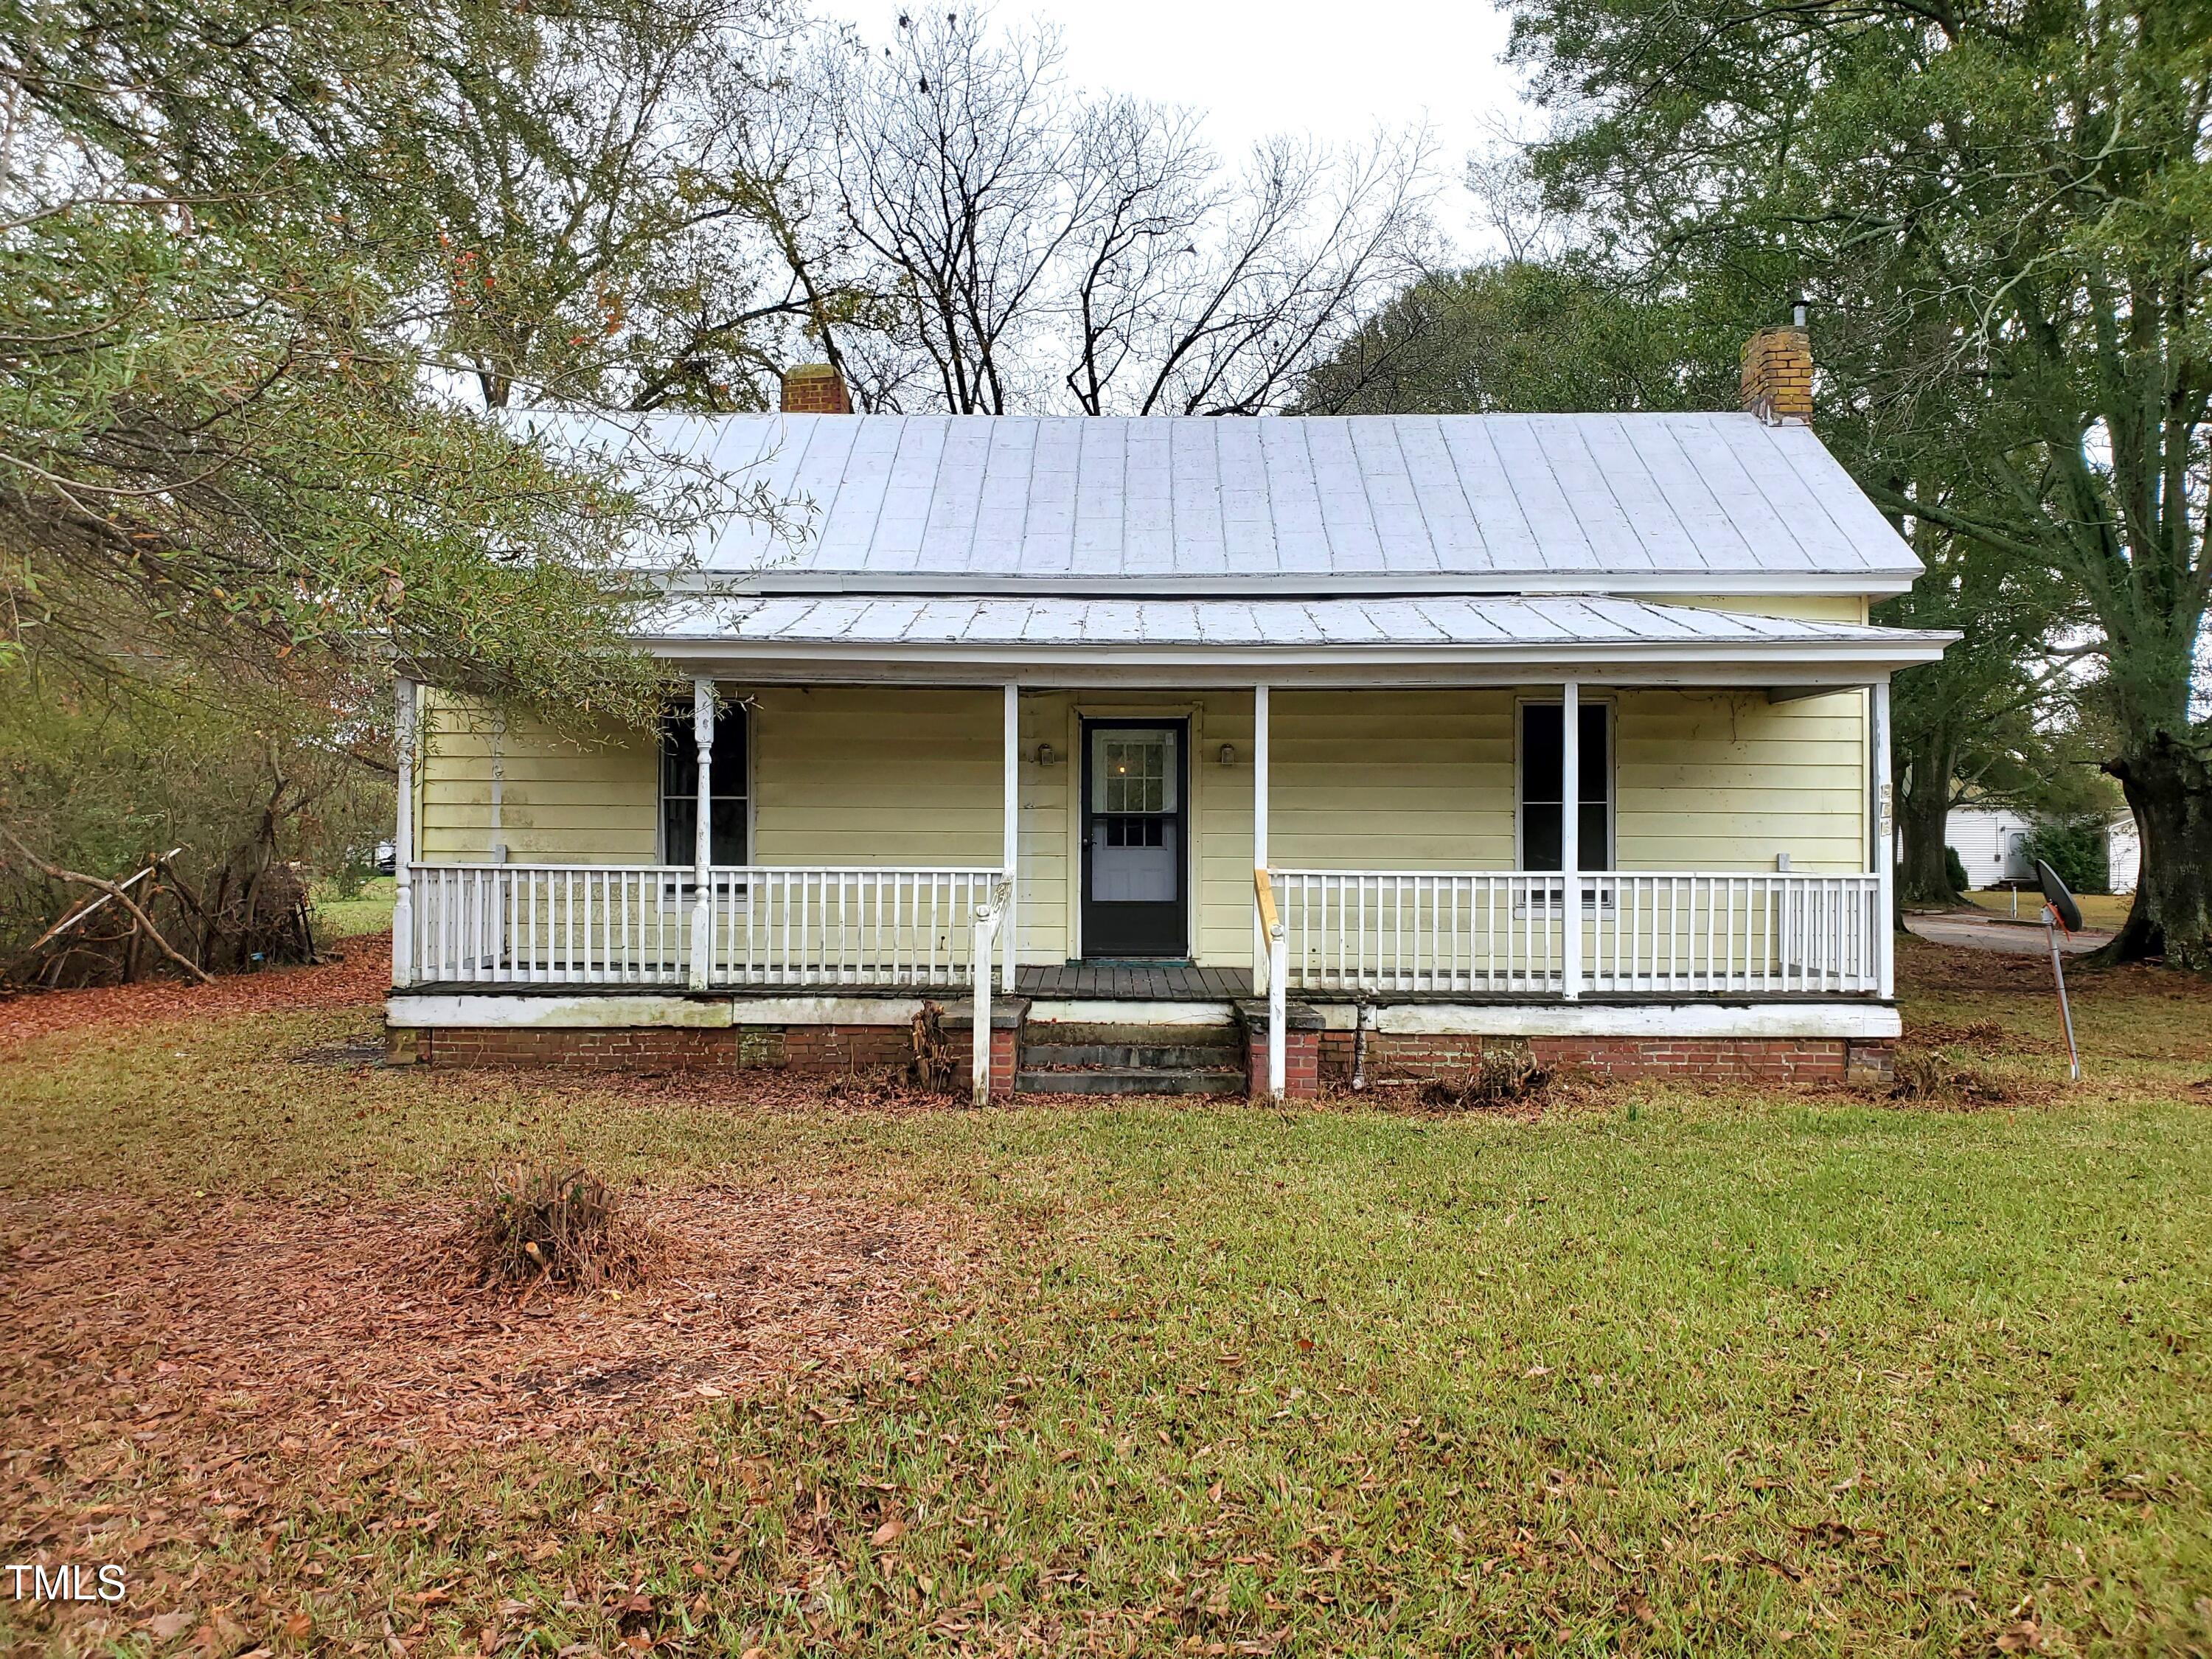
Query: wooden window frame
x=1610, y=704
x=730, y=709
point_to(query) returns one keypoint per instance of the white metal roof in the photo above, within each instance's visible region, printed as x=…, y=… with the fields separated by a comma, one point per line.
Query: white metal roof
x=900, y=630
x=1681, y=503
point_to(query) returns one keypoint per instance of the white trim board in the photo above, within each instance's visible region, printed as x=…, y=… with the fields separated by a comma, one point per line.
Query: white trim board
x=1081, y=1011
x=1819, y=1020
x=604, y=1013
x=1874, y=583
x=1173, y=667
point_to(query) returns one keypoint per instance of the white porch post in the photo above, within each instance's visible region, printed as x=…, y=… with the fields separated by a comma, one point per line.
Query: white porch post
x=702, y=838
x=1261, y=956
x=1010, y=923
x=1879, y=799
x=402, y=837
x=1571, y=834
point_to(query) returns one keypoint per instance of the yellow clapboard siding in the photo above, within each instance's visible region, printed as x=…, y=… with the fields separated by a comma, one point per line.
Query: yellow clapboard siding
x=856, y=775
x=1805, y=607
x=594, y=800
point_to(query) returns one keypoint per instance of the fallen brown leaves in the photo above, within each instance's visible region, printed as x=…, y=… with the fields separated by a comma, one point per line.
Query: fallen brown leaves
x=362, y=978
x=324, y=1330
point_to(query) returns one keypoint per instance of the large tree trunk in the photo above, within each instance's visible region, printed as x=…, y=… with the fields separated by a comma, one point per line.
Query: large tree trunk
x=1923, y=807
x=2169, y=784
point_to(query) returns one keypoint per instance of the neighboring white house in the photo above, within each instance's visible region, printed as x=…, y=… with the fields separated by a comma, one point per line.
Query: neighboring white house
x=2123, y=853
x=1991, y=841
x=1196, y=740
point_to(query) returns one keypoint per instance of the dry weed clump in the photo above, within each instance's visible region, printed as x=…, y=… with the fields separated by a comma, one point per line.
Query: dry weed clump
x=540, y=1224
x=936, y=1062
x=1934, y=1079
x=1502, y=1077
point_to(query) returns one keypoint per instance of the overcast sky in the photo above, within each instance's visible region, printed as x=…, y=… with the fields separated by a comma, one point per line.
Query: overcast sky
x=1263, y=66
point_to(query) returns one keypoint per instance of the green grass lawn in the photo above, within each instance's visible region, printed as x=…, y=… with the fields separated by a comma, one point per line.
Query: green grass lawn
x=368, y=911
x=1683, y=1369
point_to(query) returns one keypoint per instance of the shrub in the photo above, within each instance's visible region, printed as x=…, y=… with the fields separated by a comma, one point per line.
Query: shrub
x=1954, y=868
x=2075, y=847
x=541, y=1224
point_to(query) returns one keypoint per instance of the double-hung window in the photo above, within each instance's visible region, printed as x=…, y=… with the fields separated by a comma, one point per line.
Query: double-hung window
x=680, y=787
x=1543, y=786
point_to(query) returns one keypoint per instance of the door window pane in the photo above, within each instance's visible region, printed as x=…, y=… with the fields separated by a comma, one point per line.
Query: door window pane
x=1132, y=771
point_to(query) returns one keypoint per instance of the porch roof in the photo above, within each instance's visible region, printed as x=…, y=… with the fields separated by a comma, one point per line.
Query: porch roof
x=1692, y=502
x=1456, y=637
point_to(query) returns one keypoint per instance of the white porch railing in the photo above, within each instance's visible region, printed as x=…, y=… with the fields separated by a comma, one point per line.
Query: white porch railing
x=858, y=925
x=536, y=924
x=1498, y=932
x=1768, y=932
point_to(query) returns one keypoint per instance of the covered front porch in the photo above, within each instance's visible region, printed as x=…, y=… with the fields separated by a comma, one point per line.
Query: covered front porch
x=1326, y=857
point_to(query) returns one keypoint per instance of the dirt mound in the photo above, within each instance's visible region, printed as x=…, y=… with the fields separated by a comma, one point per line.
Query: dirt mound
x=328, y=1329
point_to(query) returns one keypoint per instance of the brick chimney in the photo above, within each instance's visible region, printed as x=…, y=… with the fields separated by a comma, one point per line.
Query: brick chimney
x=815, y=389
x=1777, y=373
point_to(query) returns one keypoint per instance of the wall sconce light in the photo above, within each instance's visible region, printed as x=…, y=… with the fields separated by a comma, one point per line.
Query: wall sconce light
x=1044, y=755
x=1229, y=754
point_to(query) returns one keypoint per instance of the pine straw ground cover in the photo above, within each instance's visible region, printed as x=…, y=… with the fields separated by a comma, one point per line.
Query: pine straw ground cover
x=1703, y=1370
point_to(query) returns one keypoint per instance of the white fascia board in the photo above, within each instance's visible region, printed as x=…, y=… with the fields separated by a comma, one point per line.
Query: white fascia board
x=1851, y=1021
x=1288, y=585
x=1734, y=662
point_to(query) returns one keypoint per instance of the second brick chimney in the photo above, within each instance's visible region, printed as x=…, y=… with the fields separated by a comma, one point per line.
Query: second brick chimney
x=1777, y=373
x=815, y=389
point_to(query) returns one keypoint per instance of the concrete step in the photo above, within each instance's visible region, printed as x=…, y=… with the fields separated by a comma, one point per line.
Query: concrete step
x=1134, y=1080
x=1154, y=1056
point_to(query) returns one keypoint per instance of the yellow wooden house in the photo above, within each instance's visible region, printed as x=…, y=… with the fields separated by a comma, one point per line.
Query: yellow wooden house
x=1183, y=754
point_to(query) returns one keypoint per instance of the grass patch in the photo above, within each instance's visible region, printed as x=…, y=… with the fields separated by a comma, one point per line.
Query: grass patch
x=367, y=911
x=1687, y=1368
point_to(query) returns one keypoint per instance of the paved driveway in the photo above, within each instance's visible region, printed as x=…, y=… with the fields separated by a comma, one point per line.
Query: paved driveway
x=1989, y=934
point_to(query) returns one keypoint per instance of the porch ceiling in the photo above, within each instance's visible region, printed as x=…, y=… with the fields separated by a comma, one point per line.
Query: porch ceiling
x=1455, y=638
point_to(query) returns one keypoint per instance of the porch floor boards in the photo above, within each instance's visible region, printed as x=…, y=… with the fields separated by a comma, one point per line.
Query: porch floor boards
x=1133, y=981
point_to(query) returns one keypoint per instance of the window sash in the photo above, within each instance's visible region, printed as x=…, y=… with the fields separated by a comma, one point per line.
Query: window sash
x=1541, y=780
x=728, y=800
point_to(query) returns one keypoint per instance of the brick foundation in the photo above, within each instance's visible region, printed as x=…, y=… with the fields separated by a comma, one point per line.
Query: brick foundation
x=1772, y=1059
x=661, y=1048
x=1310, y=1055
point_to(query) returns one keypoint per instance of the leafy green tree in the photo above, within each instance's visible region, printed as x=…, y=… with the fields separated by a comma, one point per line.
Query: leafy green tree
x=229, y=440
x=1564, y=335
x=103, y=775
x=2004, y=214
x=1525, y=336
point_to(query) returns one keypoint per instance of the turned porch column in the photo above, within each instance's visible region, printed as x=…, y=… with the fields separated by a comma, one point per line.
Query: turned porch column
x=702, y=837
x=403, y=836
